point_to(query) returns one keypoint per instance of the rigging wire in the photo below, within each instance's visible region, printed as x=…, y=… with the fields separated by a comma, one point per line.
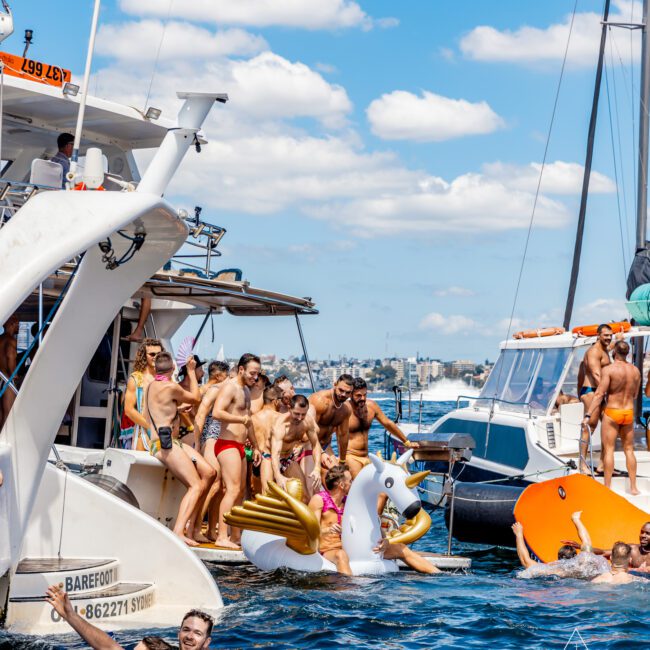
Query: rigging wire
x=634, y=131
x=155, y=63
x=618, y=197
x=539, y=180
x=617, y=121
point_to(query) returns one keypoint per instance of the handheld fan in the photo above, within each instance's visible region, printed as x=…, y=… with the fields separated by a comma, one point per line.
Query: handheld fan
x=185, y=351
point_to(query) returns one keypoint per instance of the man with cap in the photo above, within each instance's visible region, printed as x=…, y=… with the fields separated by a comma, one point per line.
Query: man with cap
x=65, y=142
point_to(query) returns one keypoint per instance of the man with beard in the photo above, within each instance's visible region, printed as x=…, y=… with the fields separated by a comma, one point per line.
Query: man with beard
x=364, y=412
x=283, y=383
x=331, y=411
x=233, y=410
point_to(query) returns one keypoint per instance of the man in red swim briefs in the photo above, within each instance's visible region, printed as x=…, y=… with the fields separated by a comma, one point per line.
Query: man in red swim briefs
x=233, y=410
x=620, y=381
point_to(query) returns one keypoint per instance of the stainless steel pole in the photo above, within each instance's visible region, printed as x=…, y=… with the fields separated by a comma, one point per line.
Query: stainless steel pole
x=304, y=351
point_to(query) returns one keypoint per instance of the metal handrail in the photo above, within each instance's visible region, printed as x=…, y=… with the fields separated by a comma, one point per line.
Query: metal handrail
x=11, y=384
x=494, y=400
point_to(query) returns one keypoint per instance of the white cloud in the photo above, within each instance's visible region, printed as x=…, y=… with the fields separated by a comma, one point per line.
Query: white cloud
x=559, y=177
x=528, y=45
x=401, y=115
x=134, y=41
x=266, y=87
x=307, y=14
x=601, y=310
x=453, y=291
x=454, y=324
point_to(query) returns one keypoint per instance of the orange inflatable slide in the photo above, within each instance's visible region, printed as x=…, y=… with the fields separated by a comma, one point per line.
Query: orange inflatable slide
x=545, y=509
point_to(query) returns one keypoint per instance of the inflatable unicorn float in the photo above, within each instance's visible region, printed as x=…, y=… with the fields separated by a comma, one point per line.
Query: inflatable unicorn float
x=279, y=530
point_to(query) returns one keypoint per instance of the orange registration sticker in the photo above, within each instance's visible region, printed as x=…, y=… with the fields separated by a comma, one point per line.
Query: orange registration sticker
x=44, y=73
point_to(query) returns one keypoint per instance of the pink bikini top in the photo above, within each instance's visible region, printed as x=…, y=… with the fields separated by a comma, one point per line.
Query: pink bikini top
x=328, y=504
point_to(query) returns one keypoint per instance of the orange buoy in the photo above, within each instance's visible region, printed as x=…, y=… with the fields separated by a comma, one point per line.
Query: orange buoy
x=592, y=330
x=82, y=187
x=533, y=334
x=545, y=509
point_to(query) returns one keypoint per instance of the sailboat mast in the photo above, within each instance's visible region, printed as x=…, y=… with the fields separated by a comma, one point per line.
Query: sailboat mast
x=575, y=269
x=642, y=191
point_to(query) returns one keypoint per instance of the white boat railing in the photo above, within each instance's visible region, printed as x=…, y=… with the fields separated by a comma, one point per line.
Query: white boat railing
x=13, y=195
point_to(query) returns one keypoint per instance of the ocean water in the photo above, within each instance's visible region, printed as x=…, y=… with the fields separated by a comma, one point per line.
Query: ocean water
x=487, y=608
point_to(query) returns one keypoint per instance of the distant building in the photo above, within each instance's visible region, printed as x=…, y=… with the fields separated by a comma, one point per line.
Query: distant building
x=462, y=367
x=427, y=371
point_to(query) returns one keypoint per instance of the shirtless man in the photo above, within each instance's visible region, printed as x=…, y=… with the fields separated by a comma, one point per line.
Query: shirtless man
x=206, y=434
x=188, y=412
x=263, y=422
x=640, y=553
x=619, y=572
x=288, y=391
x=620, y=381
x=137, y=435
x=331, y=410
x=569, y=563
x=8, y=354
x=364, y=412
x=257, y=393
x=163, y=397
x=233, y=410
x=287, y=435
x=596, y=358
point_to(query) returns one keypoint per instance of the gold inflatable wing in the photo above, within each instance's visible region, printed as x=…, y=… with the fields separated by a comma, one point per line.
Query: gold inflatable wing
x=282, y=513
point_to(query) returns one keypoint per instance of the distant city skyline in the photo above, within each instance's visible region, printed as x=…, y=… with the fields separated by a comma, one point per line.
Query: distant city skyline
x=396, y=190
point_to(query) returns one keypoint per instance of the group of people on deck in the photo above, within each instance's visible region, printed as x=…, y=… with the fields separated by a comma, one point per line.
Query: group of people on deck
x=608, y=386
x=239, y=430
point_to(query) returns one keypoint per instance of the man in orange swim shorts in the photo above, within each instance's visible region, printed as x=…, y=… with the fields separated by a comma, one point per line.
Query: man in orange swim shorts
x=620, y=382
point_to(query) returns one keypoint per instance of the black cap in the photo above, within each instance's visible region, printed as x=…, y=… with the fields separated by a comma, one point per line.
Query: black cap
x=183, y=371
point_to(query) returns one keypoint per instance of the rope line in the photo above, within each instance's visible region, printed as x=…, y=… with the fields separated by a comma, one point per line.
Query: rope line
x=155, y=63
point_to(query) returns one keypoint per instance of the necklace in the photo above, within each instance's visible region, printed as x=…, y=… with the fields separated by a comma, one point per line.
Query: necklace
x=336, y=406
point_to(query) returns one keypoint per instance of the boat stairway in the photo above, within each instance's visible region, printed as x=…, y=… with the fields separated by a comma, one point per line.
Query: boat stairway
x=93, y=585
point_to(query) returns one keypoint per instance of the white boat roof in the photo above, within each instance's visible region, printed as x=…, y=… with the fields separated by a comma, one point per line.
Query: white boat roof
x=566, y=340
x=237, y=298
x=32, y=111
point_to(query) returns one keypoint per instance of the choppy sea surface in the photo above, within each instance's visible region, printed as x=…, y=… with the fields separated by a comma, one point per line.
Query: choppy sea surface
x=487, y=608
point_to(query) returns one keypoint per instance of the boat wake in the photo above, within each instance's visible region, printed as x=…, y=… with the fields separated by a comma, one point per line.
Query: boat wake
x=446, y=390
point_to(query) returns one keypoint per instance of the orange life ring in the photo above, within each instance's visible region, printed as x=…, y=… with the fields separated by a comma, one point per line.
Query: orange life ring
x=544, y=331
x=592, y=330
x=82, y=186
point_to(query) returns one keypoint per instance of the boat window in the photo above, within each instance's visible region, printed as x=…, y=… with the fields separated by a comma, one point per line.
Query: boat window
x=570, y=385
x=552, y=364
x=499, y=376
x=526, y=377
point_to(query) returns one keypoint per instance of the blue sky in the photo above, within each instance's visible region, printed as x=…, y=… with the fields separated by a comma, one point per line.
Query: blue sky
x=382, y=157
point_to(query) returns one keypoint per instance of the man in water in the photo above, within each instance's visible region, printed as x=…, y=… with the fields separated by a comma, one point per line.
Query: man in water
x=263, y=422
x=287, y=435
x=619, y=571
x=8, y=360
x=596, y=358
x=569, y=563
x=134, y=432
x=620, y=381
x=331, y=411
x=328, y=507
x=640, y=553
x=233, y=410
x=288, y=391
x=364, y=412
x=163, y=397
x=194, y=634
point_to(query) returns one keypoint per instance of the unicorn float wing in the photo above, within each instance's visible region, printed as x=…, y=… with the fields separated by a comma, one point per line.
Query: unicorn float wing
x=279, y=530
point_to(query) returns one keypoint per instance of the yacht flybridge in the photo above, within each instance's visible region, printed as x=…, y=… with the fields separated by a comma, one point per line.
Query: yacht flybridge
x=75, y=264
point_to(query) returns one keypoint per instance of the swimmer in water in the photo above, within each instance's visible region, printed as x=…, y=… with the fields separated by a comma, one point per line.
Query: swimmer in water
x=619, y=573
x=569, y=563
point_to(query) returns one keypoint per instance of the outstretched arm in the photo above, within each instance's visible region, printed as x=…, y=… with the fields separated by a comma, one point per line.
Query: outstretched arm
x=391, y=427
x=343, y=435
x=93, y=636
x=583, y=533
x=277, y=436
x=522, y=549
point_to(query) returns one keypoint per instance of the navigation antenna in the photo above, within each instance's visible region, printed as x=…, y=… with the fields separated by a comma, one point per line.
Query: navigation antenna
x=84, y=95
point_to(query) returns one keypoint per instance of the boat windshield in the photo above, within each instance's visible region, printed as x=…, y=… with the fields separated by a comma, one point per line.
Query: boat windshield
x=523, y=379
